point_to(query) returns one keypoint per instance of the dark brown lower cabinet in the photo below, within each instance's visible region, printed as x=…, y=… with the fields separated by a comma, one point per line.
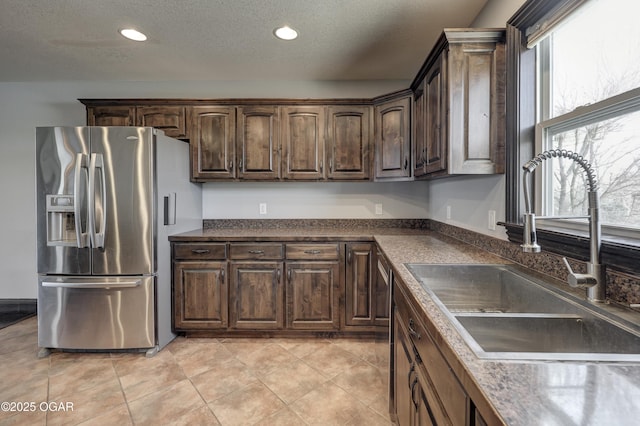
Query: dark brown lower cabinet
x=200, y=295
x=256, y=295
x=279, y=287
x=425, y=390
x=312, y=295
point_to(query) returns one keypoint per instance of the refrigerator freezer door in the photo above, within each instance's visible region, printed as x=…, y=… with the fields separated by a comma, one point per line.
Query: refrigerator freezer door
x=61, y=193
x=122, y=194
x=96, y=313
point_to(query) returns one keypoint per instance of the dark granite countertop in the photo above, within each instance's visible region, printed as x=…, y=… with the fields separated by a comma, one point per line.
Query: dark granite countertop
x=319, y=233
x=522, y=392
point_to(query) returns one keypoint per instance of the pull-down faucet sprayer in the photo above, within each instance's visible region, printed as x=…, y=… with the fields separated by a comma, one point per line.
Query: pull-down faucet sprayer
x=594, y=279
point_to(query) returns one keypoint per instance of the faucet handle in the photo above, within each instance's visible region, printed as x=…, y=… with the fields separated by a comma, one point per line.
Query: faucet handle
x=579, y=280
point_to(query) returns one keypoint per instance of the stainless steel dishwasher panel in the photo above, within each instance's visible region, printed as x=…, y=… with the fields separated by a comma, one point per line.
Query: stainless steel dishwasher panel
x=96, y=313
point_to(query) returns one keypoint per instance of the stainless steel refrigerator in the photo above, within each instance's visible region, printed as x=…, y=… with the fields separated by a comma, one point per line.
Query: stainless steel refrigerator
x=107, y=200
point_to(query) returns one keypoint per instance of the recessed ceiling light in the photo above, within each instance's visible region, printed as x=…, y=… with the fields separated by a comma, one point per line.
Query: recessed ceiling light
x=132, y=34
x=285, y=33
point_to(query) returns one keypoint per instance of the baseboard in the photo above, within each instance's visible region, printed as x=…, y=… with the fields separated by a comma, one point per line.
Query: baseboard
x=26, y=306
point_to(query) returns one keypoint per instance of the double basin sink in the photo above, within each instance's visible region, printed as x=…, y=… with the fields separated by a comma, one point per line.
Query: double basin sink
x=503, y=313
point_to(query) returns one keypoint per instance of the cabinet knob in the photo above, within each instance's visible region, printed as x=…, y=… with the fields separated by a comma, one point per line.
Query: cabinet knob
x=312, y=251
x=230, y=165
x=260, y=252
x=240, y=164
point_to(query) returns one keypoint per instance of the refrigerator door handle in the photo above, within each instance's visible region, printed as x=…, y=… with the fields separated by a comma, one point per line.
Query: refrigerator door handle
x=97, y=237
x=82, y=237
x=82, y=285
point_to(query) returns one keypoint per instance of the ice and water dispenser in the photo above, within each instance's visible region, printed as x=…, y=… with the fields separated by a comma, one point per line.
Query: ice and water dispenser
x=61, y=222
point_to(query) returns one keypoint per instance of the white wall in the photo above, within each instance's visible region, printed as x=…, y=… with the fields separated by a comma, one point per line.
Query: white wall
x=24, y=106
x=496, y=13
x=313, y=200
x=470, y=199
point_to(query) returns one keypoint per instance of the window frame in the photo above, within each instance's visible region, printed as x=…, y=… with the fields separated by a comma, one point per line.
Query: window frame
x=530, y=22
x=612, y=107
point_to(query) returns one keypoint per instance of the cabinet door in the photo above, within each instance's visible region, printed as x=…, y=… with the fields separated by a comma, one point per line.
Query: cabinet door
x=393, y=144
x=312, y=295
x=348, y=142
x=200, y=295
x=258, y=141
x=419, y=132
x=212, y=144
x=170, y=119
x=435, y=116
x=303, y=130
x=257, y=297
x=383, y=290
x=420, y=400
x=404, y=373
x=477, y=107
x=359, y=285
x=111, y=116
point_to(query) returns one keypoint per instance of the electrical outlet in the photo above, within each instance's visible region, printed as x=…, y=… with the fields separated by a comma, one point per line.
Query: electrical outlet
x=492, y=220
x=448, y=212
x=263, y=208
x=378, y=208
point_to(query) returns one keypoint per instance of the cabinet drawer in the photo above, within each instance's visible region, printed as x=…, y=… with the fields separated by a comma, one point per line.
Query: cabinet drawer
x=266, y=251
x=452, y=396
x=208, y=251
x=313, y=251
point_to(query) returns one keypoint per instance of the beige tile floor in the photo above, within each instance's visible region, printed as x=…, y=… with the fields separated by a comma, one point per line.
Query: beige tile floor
x=197, y=381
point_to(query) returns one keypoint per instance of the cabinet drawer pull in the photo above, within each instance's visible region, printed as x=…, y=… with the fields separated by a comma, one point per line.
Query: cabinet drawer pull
x=312, y=251
x=200, y=251
x=413, y=391
x=411, y=370
x=412, y=330
x=256, y=252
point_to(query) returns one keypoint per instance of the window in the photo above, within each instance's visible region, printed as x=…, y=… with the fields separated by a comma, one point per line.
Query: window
x=572, y=83
x=589, y=103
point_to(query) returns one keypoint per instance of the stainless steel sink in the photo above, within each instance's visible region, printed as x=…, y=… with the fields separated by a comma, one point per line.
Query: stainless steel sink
x=485, y=288
x=503, y=313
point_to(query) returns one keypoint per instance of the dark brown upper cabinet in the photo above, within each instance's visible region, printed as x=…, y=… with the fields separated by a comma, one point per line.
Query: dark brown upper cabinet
x=393, y=137
x=435, y=114
x=348, y=141
x=170, y=119
x=111, y=115
x=303, y=132
x=258, y=142
x=212, y=143
x=459, y=114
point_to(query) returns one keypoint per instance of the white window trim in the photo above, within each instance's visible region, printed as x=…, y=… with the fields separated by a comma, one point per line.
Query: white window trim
x=608, y=108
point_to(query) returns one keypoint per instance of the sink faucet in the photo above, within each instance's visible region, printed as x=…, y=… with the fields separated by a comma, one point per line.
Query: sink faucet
x=594, y=280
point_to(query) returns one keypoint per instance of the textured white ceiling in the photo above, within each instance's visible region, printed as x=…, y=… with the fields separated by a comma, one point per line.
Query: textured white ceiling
x=54, y=40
